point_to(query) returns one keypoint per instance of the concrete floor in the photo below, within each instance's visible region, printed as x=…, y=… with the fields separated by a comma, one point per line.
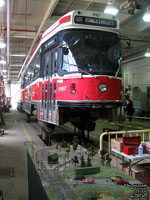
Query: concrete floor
x=13, y=155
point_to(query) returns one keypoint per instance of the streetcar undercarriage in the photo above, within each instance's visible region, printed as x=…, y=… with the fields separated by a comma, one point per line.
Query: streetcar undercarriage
x=82, y=118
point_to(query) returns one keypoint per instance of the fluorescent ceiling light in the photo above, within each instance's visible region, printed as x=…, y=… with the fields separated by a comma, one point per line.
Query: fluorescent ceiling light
x=147, y=53
x=3, y=62
x=15, y=65
x=37, y=65
x=110, y=8
x=2, y=44
x=146, y=16
x=18, y=55
x=2, y=3
x=22, y=36
x=14, y=72
x=4, y=70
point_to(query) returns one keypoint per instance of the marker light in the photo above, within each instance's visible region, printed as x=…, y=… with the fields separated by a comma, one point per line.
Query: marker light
x=72, y=87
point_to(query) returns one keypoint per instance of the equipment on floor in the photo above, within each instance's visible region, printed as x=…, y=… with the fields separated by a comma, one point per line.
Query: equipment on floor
x=1, y=132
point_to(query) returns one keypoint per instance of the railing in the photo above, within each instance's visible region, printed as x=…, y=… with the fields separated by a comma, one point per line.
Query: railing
x=136, y=132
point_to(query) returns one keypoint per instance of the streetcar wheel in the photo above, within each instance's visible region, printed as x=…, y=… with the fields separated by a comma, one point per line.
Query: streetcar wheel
x=51, y=129
x=28, y=118
x=45, y=137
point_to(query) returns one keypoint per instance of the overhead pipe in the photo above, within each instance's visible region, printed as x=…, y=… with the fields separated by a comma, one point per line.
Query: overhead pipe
x=29, y=15
x=133, y=40
x=49, y=12
x=8, y=35
x=20, y=30
x=133, y=54
x=133, y=59
x=144, y=28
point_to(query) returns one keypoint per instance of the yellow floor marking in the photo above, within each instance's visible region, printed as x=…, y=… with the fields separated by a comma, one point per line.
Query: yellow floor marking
x=28, y=136
x=125, y=125
x=137, y=117
x=148, y=160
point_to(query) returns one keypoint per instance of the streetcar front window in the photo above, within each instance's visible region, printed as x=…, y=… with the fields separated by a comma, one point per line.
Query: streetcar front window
x=93, y=52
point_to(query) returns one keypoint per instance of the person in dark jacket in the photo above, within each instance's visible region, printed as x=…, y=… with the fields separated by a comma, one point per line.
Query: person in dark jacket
x=1, y=114
x=130, y=109
x=1, y=195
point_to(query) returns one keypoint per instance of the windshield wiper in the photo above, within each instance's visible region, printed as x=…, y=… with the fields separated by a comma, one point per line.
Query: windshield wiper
x=85, y=71
x=118, y=68
x=78, y=66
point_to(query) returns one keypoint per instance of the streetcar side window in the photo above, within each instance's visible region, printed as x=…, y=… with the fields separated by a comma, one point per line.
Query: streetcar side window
x=33, y=70
x=45, y=95
x=42, y=94
x=50, y=95
x=46, y=64
x=55, y=61
x=69, y=64
x=36, y=68
x=25, y=79
x=46, y=70
x=52, y=59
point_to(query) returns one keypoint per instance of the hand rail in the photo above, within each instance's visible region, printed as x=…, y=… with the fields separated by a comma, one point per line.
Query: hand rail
x=137, y=132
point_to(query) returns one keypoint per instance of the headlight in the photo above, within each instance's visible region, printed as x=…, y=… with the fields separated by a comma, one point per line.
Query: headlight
x=103, y=88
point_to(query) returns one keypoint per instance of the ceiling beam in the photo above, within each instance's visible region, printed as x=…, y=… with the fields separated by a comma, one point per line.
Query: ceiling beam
x=146, y=27
x=97, y=1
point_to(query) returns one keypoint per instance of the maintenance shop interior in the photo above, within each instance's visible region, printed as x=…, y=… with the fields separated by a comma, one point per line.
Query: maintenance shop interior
x=74, y=100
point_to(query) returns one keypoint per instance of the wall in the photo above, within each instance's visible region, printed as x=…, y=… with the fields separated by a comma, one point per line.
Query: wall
x=15, y=94
x=8, y=90
x=136, y=73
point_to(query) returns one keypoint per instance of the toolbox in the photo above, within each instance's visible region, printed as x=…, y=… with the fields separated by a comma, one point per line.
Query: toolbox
x=131, y=144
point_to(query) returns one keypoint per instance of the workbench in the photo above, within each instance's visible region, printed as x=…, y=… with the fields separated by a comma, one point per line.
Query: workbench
x=132, y=158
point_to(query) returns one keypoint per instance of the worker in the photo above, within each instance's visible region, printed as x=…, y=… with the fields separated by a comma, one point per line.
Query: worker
x=1, y=114
x=1, y=195
x=130, y=109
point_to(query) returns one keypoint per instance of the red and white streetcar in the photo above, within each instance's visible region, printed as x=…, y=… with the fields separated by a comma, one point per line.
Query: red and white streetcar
x=74, y=73
x=90, y=181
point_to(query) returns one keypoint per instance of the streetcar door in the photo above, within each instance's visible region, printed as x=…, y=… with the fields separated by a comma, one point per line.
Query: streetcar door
x=48, y=105
x=45, y=86
x=51, y=108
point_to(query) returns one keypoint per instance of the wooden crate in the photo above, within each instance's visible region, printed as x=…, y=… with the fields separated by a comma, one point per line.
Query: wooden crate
x=117, y=144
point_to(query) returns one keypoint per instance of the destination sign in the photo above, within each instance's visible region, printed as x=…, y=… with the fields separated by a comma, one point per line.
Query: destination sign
x=95, y=21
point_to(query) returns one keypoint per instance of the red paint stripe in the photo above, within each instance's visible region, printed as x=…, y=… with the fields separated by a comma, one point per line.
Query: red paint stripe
x=65, y=19
x=61, y=21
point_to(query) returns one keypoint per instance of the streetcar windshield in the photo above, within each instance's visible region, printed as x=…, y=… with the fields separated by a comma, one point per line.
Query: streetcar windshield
x=91, y=52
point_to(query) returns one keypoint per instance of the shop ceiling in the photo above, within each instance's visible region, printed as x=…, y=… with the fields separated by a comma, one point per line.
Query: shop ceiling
x=30, y=18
